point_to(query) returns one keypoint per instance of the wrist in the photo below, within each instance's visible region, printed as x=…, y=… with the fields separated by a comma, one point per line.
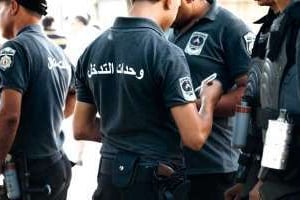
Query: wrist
x=207, y=107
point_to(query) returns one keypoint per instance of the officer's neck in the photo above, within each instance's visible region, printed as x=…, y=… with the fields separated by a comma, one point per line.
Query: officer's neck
x=23, y=19
x=152, y=11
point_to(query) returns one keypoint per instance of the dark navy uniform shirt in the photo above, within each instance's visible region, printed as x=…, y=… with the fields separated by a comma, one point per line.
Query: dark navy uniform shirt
x=221, y=43
x=35, y=67
x=260, y=44
x=134, y=76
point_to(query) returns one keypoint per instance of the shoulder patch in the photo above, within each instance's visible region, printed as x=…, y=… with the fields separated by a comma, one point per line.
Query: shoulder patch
x=6, y=57
x=187, y=88
x=249, y=40
x=196, y=43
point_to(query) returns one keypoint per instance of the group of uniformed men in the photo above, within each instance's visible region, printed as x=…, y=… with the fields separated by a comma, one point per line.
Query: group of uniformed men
x=141, y=84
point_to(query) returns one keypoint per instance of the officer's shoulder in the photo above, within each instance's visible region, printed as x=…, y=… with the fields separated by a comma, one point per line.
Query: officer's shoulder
x=166, y=49
x=174, y=49
x=12, y=44
x=231, y=21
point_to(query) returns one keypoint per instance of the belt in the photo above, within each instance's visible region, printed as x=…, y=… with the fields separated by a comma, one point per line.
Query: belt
x=38, y=164
x=143, y=173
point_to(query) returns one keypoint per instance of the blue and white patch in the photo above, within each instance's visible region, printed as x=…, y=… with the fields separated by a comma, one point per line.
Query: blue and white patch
x=187, y=88
x=196, y=43
x=249, y=40
x=6, y=57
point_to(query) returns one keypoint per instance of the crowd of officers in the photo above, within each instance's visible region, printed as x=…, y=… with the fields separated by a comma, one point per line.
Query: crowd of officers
x=161, y=139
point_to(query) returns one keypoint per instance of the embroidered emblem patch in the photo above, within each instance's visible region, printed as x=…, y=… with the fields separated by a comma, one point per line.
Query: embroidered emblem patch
x=6, y=57
x=249, y=39
x=187, y=89
x=196, y=43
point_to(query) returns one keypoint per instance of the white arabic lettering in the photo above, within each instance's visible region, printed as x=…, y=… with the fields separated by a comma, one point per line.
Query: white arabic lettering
x=108, y=68
x=53, y=63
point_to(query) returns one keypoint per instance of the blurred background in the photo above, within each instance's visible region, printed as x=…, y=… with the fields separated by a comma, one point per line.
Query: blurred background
x=103, y=12
x=100, y=14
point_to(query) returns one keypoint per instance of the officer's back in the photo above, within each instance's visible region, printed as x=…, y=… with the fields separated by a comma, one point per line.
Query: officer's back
x=47, y=79
x=120, y=68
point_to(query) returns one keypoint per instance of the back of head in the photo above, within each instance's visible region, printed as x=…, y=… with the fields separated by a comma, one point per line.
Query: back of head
x=163, y=12
x=82, y=19
x=20, y=13
x=37, y=6
x=47, y=22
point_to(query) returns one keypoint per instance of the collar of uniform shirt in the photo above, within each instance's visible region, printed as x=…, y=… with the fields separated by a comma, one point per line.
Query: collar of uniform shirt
x=268, y=18
x=213, y=11
x=133, y=22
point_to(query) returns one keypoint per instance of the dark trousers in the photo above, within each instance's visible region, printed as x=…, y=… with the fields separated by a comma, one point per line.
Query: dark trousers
x=137, y=191
x=141, y=185
x=210, y=186
x=55, y=173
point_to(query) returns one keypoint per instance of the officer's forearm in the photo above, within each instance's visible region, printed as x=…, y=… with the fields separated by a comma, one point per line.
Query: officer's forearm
x=90, y=132
x=8, y=128
x=70, y=103
x=228, y=101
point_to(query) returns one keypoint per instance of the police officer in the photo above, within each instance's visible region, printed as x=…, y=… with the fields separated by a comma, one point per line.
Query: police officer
x=279, y=96
x=214, y=40
x=140, y=85
x=249, y=162
x=34, y=79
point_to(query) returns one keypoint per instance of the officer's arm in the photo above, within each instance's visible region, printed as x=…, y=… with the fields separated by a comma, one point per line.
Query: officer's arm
x=228, y=101
x=10, y=109
x=70, y=103
x=195, y=127
x=86, y=125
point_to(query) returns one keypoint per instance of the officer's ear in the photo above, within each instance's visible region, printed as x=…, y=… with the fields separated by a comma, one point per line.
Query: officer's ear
x=14, y=7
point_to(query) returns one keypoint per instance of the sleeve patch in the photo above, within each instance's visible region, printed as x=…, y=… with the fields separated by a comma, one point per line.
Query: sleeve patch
x=249, y=40
x=6, y=57
x=187, y=89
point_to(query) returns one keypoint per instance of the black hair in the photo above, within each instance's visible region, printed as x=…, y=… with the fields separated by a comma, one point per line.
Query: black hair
x=83, y=20
x=38, y=6
x=47, y=22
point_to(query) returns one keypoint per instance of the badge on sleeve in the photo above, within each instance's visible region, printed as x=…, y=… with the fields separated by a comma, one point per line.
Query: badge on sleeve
x=6, y=57
x=196, y=43
x=249, y=39
x=187, y=89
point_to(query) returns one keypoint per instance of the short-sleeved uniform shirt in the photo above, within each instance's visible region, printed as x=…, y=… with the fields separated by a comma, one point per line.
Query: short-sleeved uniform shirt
x=134, y=76
x=218, y=43
x=35, y=67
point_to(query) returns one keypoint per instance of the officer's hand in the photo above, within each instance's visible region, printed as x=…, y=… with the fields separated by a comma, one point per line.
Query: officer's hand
x=211, y=92
x=234, y=193
x=254, y=193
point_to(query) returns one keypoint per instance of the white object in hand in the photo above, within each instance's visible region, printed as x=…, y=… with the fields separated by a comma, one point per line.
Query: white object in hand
x=206, y=80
